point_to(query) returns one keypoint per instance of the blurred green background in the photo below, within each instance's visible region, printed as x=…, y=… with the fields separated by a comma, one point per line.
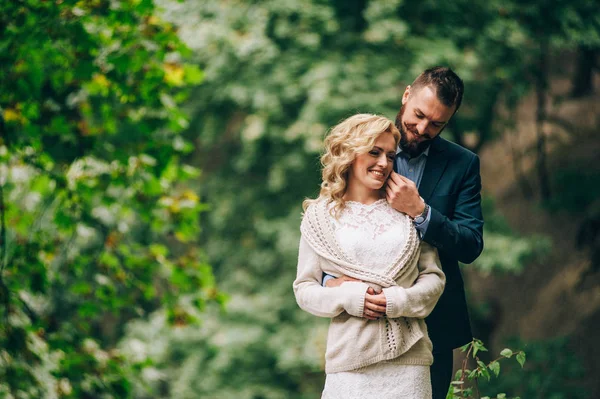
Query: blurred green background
x=154, y=156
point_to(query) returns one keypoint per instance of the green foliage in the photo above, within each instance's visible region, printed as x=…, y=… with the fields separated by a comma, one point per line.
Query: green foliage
x=552, y=370
x=277, y=75
x=465, y=382
x=100, y=212
x=99, y=220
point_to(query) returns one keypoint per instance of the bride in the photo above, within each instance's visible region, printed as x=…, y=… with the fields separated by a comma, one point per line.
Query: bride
x=377, y=342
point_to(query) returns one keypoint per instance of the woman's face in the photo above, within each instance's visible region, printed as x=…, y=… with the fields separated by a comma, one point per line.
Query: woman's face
x=372, y=169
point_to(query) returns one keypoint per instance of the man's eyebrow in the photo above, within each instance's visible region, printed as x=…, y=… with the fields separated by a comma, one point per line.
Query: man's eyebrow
x=418, y=110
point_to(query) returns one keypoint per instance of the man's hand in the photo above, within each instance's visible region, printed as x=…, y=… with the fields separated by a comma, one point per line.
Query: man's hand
x=375, y=305
x=403, y=196
x=336, y=282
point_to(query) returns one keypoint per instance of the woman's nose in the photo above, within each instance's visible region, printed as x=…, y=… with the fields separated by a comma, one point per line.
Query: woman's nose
x=383, y=160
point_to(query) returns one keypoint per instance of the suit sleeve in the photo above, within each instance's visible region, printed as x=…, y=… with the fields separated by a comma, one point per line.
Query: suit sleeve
x=419, y=299
x=461, y=236
x=321, y=301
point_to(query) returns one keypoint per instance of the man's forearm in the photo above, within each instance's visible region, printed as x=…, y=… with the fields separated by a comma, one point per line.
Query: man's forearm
x=463, y=242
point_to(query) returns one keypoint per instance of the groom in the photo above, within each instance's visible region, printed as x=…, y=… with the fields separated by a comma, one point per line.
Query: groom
x=438, y=184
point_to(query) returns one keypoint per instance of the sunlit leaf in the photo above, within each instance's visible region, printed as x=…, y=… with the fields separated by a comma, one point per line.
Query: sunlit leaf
x=506, y=352
x=495, y=367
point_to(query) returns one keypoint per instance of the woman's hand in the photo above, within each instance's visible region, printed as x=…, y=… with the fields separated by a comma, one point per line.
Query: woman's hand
x=374, y=304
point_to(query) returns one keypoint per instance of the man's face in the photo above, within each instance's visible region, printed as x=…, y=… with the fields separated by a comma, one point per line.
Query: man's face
x=421, y=119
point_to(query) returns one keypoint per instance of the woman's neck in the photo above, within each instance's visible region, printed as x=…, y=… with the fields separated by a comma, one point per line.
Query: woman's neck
x=362, y=194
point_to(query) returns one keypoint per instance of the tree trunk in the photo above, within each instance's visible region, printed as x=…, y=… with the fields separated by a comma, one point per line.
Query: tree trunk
x=457, y=133
x=517, y=158
x=583, y=80
x=541, y=89
x=487, y=115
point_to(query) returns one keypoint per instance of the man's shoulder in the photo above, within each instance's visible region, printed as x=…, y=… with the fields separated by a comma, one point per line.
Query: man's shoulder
x=454, y=150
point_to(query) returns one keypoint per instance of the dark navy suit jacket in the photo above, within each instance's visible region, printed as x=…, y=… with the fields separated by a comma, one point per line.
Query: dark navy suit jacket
x=451, y=185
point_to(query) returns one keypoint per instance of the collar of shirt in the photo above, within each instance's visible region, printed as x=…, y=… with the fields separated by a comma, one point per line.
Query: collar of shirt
x=424, y=153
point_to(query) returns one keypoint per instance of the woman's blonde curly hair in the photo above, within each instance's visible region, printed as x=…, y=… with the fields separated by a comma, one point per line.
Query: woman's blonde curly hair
x=353, y=136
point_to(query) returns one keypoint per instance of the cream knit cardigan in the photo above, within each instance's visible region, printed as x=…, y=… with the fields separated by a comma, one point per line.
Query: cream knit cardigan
x=412, y=284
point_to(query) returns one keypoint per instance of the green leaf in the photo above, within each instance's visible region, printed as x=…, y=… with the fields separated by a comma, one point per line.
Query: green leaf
x=63, y=220
x=459, y=374
x=188, y=171
x=478, y=346
x=483, y=371
x=88, y=310
x=495, y=367
x=109, y=259
x=501, y=396
x=81, y=288
x=158, y=250
x=193, y=74
x=506, y=353
x=521, y=358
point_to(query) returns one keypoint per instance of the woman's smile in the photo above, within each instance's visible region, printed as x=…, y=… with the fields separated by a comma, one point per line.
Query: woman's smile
x=379, y=175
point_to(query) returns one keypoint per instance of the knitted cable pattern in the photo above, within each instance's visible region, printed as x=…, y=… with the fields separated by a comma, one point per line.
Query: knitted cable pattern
x=317, y=228
x=399, y=334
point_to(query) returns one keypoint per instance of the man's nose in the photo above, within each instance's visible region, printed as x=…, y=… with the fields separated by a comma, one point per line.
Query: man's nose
x=422, y=127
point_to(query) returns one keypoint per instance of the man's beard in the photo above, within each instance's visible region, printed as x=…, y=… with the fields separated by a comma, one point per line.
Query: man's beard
x=412, y=148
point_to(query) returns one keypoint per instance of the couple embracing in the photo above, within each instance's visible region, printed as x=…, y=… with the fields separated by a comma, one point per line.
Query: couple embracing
x=399, y=207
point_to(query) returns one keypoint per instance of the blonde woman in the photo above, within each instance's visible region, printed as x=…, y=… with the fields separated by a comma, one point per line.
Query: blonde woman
x=377, y=342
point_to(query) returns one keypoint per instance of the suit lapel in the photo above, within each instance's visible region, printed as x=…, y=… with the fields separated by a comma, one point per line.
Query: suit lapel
x=434, y=168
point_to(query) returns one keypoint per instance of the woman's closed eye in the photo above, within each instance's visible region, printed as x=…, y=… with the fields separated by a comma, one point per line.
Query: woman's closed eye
x=375, y=153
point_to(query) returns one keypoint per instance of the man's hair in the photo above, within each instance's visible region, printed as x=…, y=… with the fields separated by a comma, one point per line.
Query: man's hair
x=448, y=86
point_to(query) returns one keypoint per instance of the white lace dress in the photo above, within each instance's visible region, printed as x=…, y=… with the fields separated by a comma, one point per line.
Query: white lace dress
x=371, y=235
